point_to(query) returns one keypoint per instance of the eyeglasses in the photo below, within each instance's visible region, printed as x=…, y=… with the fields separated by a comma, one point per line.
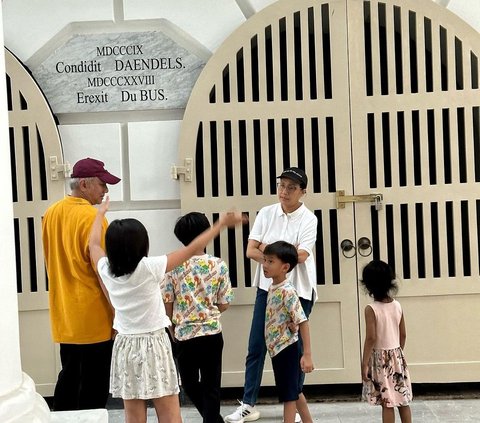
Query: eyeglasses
x=289, y=188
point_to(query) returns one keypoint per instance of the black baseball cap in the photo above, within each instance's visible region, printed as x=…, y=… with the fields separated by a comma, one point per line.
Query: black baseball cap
x=295, y=174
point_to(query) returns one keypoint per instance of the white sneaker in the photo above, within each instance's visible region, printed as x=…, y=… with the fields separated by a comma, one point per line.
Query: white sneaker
x=298, y=419
x=243, y=413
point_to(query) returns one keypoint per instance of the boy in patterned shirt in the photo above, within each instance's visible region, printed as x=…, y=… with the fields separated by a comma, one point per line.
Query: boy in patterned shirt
x=195, y=294
x=283, y=313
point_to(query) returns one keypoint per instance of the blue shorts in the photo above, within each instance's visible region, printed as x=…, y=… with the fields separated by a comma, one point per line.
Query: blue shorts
x=287, y=372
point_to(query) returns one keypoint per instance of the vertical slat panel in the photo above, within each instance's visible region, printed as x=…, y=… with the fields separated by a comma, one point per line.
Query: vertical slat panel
x=439, y=150
x=406, y=49
x=427, y=227
x=379, y=150
x=458, y=240
x=474, y=241
x=395, y=162
x=397, y=230
x=42, y=280
x=279, y=165
x=276, y=60
x=305, y=54
x=309, y=152
x=319, y=64
x=34, y=155
x=413, y=242
x=207, y=160
x=24, y=256
x=436, y=57
x=291, y=71
x=262, y=60
x=20, y=169
x=265, y=158
x=442, y=234
x=469, y=147
x=233, y=77
x=451, y=60
x=328, y=251
x=294, y=153
x=236, y=160
x=220, y=163
x=455, y=153
x=247, y=71
x=322, y=130
x=390, y=34
x=420, y=49
x=375, y=48
x=250, y=156
x=425, y=167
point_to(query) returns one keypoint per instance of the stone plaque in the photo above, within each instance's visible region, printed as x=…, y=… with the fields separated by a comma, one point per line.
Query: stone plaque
x=118, y=71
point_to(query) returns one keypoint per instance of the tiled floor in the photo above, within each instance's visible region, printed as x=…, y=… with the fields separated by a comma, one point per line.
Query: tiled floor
x=423, y=411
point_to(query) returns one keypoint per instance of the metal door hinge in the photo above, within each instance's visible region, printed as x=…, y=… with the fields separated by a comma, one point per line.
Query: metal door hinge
x=186, y=170
x=341, y=199
x=57, y=168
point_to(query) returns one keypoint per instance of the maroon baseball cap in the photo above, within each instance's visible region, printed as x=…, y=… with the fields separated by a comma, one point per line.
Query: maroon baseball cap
x=89, y=168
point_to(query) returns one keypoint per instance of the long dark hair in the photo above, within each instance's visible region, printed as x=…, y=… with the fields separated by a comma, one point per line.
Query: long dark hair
x=126, y=242
x=378, y=278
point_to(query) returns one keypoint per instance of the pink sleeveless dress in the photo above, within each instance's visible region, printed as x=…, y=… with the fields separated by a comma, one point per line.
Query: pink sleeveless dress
x=390, y=383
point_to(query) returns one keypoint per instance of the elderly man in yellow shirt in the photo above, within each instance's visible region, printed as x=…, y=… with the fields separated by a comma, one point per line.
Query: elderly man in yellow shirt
x=80, y=313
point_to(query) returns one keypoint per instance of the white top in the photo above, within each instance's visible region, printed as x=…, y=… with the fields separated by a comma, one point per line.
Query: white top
x=136, y=297
x=300, y=229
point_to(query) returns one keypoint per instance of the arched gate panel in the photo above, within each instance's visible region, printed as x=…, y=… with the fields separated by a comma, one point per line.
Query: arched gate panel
x=376, y=100
x=37, y=181
x=415, y=139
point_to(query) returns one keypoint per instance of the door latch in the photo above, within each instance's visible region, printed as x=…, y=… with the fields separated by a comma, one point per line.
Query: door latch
x=342, y=199
x=186, y=170
x=57, y=168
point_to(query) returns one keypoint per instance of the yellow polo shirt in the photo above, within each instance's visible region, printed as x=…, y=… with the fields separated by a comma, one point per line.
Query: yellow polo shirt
x=79, y=311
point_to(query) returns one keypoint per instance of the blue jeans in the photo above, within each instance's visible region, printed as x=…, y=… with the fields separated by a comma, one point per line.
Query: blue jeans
x=257, y=348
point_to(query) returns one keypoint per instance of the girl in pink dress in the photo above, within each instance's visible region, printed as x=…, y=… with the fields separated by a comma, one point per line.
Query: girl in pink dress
x=386, y=380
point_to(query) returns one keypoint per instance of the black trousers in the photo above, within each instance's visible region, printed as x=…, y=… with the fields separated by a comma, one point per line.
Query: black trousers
x=200, y=366
x=84, y=380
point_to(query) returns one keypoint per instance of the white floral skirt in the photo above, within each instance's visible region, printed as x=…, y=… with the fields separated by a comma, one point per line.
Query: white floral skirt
x=143, y=366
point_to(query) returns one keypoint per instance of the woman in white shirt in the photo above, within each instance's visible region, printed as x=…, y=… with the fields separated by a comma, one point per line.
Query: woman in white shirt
x=291, y=221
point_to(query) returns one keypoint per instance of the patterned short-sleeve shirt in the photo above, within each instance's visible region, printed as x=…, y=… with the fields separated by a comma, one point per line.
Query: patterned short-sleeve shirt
x=195, y=288
x=283, y=307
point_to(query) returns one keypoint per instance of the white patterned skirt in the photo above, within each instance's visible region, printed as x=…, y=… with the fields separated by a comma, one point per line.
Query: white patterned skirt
x=143, y=366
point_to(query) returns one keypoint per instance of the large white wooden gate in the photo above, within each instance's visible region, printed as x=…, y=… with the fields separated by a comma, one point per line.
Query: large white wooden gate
x=37, y=181
x=374, y=98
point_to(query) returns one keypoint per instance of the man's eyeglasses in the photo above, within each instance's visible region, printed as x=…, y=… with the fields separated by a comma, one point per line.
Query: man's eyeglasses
x=289, y=188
